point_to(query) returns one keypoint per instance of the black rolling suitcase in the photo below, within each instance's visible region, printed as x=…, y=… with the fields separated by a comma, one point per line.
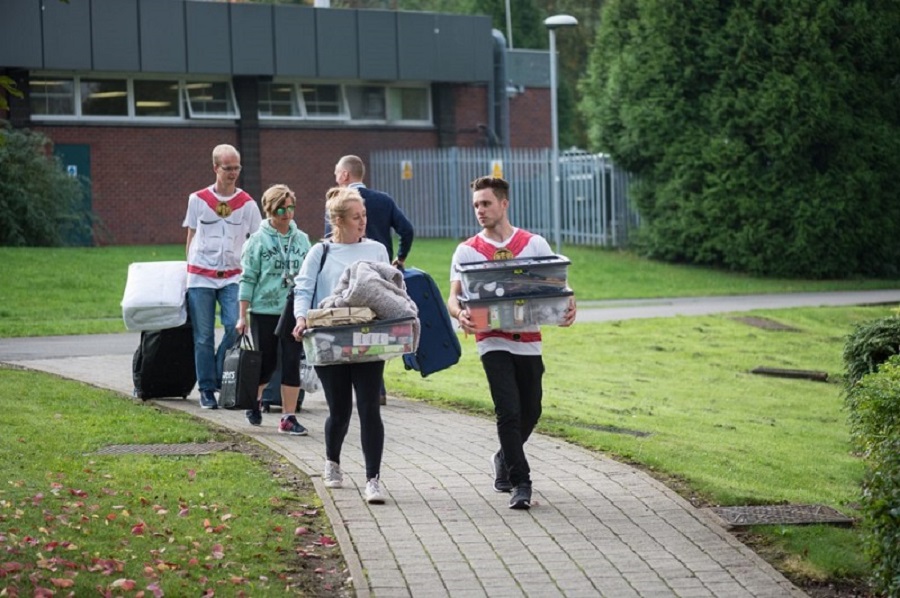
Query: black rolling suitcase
x=438, y=344
x=163, y=365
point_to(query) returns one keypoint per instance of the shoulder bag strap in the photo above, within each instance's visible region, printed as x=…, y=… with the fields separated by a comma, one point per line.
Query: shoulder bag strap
x=325, y=246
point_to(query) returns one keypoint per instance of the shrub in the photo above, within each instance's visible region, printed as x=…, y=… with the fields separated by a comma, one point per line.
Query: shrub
x=766, y=136
x=875, y=429
x=40, y=205
x=870, y=345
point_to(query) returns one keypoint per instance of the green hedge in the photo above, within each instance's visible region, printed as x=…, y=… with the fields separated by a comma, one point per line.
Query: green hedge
x=875, y=427
x=870, y=345
x=765, y=136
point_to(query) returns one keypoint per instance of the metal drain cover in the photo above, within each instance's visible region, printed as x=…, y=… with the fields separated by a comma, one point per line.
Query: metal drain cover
x=165, y=449
x=778, y=515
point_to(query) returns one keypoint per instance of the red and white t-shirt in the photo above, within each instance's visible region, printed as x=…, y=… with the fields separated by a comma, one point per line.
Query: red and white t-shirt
x=521, y=244
x=222, y=224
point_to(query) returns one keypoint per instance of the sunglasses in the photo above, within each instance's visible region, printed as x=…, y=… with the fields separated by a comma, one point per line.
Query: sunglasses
x=284, y=210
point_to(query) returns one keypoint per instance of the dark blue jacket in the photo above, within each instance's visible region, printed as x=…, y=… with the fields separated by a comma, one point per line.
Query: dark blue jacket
x=382, y=215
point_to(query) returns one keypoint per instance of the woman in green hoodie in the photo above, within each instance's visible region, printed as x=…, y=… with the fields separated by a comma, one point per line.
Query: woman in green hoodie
x=270, y=260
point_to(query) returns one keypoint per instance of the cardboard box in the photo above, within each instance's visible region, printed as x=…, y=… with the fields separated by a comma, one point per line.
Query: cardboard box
x=378, y=340
x=519, y=313
x=515, y=277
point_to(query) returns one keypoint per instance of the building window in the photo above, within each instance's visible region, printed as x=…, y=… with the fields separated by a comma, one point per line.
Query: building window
x=52, y=96
x=156, y=99
x=408, y=104
x=277, y=100
x=323, y=101
x=58, y=98
x=104, y=97
x=210, y=99
x=366, y=102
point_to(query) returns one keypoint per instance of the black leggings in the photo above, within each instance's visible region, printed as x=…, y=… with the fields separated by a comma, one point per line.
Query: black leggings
x=263, y=330
x=339, y=382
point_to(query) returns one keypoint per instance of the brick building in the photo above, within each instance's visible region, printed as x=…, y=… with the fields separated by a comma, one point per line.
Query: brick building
x=136, y=93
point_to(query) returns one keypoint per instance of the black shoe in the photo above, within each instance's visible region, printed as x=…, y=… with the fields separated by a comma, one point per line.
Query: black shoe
x=254, y=417
x=208, y=400
x=501, y=474
x=521, y=498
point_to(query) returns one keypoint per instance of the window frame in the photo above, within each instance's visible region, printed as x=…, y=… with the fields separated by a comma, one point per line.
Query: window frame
x=186, y=111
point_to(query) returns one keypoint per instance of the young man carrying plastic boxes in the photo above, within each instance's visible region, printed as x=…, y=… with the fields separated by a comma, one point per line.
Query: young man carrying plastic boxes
x=504, y=303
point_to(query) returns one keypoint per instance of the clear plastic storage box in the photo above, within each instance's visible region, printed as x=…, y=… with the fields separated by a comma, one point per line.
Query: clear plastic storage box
x=517, y=313
x=514, y=277
x=371, y=341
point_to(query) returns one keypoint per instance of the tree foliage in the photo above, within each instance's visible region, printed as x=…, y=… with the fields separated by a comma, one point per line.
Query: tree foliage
x=766, y=137
x=40, y=205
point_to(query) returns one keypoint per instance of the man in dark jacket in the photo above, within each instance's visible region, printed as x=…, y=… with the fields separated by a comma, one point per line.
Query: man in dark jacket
x=381, y=210
x=382, y=215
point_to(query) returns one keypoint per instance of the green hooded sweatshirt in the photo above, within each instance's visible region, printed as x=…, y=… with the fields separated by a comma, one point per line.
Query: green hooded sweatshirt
x=270, y=261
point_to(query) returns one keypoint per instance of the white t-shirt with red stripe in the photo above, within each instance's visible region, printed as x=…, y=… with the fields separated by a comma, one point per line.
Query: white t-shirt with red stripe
x=521, y=244
x=222, y=224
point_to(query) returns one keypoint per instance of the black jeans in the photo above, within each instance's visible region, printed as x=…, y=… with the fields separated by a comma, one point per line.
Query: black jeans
x=515, y=383
x=338, y=383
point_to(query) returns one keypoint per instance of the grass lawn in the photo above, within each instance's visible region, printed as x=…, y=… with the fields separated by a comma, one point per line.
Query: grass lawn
x=78, y=523
x=673, y=395
x=676, y=397
x=53, y=291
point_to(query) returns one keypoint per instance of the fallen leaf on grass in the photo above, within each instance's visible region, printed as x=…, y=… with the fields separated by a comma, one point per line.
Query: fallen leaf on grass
x=325, y=541
x=125, y=584
x=301, y=531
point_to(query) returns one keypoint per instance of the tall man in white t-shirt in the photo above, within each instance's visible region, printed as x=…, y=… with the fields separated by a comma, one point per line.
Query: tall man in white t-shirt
x=511, y=360
x=219, y=219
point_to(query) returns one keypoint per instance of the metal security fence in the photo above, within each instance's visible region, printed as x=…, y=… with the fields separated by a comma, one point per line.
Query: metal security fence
x=431, y=186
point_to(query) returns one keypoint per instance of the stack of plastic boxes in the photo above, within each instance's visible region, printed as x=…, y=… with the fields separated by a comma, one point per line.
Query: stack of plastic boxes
x=372, y=341
x=516, y=294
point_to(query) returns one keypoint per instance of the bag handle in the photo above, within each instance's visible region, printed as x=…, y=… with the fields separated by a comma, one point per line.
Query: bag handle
x=244, y=341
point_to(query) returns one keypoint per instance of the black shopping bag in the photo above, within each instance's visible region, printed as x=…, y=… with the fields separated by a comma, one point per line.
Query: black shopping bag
x=240, y=375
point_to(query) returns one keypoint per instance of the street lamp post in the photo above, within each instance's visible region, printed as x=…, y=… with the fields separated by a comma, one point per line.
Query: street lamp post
x=553, y=23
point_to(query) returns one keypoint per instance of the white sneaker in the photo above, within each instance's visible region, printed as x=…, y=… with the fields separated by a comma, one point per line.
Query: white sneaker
x=373, y=492
x=333, y=476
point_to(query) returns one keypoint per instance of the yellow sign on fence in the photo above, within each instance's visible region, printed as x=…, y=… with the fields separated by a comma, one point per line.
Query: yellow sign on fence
x=406, y=170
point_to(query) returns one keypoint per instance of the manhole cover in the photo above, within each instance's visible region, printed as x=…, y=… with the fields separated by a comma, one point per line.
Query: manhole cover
x=779, y=515
x=165, y=449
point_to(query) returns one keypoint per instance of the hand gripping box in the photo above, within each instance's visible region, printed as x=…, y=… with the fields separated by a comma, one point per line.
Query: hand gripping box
x=371, y=341
x=155, y=295
x=519, y=313
x=514, y=277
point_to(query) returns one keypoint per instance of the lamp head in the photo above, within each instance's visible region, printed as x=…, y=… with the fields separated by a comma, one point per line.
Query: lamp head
x=557, y=21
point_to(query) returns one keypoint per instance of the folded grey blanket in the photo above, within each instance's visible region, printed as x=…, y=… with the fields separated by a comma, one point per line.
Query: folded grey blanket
x=375, y=285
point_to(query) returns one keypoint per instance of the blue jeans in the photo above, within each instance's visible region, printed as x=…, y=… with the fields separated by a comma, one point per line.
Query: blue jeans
x=202, y=309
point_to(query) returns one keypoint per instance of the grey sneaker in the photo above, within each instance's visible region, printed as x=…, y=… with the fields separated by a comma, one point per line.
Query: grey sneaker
x=373, y=492
x=333, y=476
x=521, y=498
x=501, y=474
